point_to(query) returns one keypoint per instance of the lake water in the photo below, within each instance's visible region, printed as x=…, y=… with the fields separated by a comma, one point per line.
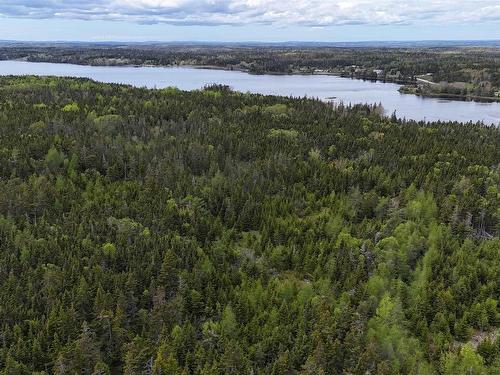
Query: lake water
x=319, y=86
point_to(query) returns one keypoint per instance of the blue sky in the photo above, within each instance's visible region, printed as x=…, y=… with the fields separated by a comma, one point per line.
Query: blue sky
x=249, y=20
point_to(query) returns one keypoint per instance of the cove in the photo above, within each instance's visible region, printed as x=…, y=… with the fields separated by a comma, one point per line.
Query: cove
x=323, y=87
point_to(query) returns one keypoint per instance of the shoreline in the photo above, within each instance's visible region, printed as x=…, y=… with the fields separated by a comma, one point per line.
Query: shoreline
x=403, y=88
x=451, y=96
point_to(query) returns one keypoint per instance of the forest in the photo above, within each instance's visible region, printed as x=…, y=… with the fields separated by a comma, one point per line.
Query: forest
x=215, y=232
x=462, y=72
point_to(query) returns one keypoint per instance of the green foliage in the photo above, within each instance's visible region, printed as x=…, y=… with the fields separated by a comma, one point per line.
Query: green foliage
x=71, y=107
x=108, y=120
x=39, y=126
x=208, y=232
x=109, y=250
x=228, y=324
x=284, y=134
x=54, y=159
x=82, y=356
x=466, y=362
x=276, y=109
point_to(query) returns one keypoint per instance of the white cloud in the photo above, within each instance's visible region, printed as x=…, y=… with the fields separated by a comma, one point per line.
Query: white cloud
x=316, y=13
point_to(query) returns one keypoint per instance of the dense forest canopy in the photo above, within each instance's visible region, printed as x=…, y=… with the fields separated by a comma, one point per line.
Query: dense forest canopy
x=208, y=232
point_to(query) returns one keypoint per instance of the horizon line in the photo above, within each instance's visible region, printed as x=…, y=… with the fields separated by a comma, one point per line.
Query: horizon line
x=251, y=41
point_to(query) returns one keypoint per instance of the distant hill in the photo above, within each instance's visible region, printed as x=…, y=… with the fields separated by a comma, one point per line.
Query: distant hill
x=386, y=44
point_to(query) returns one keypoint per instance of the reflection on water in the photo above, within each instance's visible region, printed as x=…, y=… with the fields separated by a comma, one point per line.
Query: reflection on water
x=320, y=86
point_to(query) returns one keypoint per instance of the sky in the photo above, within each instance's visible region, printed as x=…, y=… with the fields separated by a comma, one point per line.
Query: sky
x=249, y=20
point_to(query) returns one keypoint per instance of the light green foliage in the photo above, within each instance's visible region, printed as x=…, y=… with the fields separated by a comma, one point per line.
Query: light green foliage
x=165, y=362
x=37, y=126
x=315, y=154
x=171, y=91
x=228, y=324
x=285, y=134
x=54, y=159
x=422, y=208
x=71, y=107
x=212, y=93
x=396, y=348
x=467, y=362
x=276, y=109
x=109, y=250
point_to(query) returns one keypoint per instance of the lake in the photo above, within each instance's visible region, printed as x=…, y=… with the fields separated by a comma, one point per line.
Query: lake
x=319, y=86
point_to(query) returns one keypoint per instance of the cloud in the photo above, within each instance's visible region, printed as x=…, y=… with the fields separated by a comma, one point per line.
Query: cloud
x=312, y=13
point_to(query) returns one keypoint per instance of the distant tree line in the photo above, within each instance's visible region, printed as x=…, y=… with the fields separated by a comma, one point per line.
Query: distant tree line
x=477, y=66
